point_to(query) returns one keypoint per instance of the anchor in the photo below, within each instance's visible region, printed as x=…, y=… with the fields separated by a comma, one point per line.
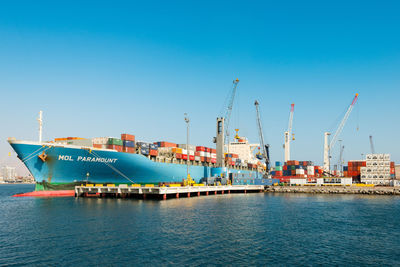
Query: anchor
x=43, y=156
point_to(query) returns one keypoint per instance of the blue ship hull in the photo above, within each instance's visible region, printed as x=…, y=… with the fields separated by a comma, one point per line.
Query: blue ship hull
x=68, y=164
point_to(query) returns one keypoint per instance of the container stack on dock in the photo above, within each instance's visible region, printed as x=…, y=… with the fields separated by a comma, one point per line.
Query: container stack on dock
x=379, y=170
x=294, y=168
x=353, y=169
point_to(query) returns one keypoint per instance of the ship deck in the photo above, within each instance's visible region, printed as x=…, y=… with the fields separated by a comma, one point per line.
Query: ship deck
x=163, y=192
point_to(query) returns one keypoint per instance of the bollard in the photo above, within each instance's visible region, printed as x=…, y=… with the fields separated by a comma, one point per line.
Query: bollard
x=164, y=197
x=177, y=195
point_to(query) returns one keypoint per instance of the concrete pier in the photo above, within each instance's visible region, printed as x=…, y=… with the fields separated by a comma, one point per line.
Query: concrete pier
x=378, y=190
x=161, y=192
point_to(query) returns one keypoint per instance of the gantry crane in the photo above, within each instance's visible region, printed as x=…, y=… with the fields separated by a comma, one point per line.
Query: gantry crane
x=329, y=145
x=371, y=142
x=264, y=147
x=288, y=135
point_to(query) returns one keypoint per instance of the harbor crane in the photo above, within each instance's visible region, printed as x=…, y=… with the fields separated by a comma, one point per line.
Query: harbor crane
x=371, y=142
x=228, y=111
x=222, y=137
x=264, y=147
x=289, y=135
x=328, y=146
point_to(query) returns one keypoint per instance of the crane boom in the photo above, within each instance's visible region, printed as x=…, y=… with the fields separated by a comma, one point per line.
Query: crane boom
x=228, y=112
x=288, y=133
x=329, y=145
x=372, y=144
x=264, y=148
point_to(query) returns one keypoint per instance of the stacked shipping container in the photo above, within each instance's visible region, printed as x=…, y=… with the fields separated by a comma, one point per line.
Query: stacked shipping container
x=378, y=170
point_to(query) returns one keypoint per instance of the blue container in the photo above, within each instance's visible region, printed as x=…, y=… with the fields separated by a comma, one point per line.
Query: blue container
x=144, y=151
x=153, y=146
x=278, y=163
x=129, y=143
x=298, y=167
x=345, y=168
x=143, y=145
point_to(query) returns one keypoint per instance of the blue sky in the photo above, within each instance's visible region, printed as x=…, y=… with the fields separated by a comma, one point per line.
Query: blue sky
x=101, y=68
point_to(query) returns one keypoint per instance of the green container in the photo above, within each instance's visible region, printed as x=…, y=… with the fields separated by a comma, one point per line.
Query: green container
x=115, y=141
x=278, y=168
x=293, y=167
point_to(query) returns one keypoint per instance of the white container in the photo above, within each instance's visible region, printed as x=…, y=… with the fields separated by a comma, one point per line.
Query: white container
x=381, y=156
x=386, y=157
x=213, y=156
x=363, y=169
x=368, y=157
x=381, y=163
x=191, y=153
x=387, y=164
x=369, y=176
x=299, y=171
x=202, y=154
x=207, y=154
x=369, y=163
x=375, y=156
x=184, y=151
x=197, y=158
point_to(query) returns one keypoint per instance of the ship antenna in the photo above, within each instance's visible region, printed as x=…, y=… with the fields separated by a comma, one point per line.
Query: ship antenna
x=40, y=125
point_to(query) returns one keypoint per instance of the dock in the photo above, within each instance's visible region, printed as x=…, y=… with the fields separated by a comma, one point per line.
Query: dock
x=161, y=192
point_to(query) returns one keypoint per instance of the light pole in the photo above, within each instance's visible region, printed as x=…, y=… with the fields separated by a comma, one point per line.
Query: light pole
x=187, y=147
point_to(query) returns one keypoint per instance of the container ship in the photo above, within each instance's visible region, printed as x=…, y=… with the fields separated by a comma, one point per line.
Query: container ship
x=65, y=162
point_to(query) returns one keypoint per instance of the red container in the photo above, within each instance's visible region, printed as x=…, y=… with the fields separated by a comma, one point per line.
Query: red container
x=279, y=173
x=213, y=160
x=392, y=164
x=178, y=156
x=206, y=149
x=153, y=152
x=392, y=170
x=184, y=156
x=214, y=151
x=97, y=145
x=127, y=137
x=197, y=153
x=200, y=148
x=191, y=157
x=202, y=159
x=235, y=156
x=207, y=159
x=165, y=144
x=128, y=149
x=285, y=167
x=115, y=147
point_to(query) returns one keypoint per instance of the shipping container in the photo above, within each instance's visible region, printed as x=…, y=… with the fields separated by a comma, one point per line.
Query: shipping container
x=128, y=143
x=115, y=147
x=153, y=146
x=115, y=141
x=127, y=137
x=153, y=152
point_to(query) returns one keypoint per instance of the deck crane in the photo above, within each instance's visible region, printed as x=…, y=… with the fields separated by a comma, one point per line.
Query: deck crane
x=228, y=111
x=328, y=146
x=372, y=144
x=264, y=147
x=288, y=134
x=222, y=137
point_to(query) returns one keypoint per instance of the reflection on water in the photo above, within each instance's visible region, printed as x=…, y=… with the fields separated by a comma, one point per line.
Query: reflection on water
x=237, y=229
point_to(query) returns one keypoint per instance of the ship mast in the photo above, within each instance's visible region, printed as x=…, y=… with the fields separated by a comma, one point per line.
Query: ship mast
x=40, y=125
